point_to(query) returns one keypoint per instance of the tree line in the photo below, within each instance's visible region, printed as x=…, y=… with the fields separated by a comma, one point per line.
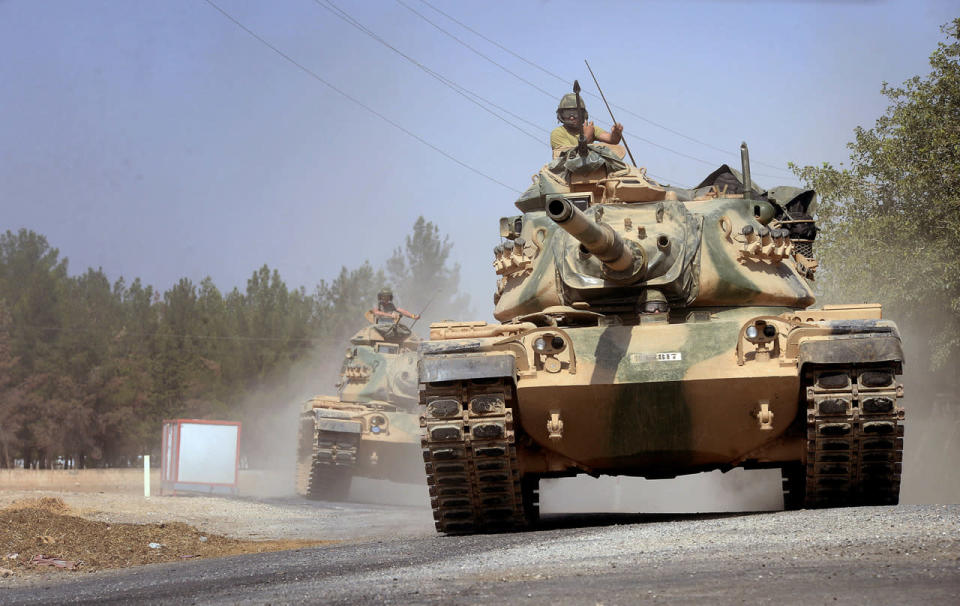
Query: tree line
x=89, y=369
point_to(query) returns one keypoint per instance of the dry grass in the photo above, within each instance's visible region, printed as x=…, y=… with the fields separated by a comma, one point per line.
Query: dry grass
x=47, y=527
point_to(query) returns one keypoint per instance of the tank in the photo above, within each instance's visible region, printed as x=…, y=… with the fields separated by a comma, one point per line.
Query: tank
x=654, y=331
x=371, y=427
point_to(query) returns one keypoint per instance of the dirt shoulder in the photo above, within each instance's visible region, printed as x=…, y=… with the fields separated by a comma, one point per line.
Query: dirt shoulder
x=86, y=531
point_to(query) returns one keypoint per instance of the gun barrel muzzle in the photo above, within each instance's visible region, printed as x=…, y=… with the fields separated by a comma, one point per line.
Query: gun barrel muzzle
x=599, y=239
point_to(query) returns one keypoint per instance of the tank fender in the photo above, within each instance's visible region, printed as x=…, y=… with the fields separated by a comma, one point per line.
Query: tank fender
x=467, y=366
x=850, y=349
x=332, y=413
x=340, y=426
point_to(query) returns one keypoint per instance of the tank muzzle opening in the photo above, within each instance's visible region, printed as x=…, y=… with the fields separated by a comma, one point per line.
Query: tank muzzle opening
x=558, y=211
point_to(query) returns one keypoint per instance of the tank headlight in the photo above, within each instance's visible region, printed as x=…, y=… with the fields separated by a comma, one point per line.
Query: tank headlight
x=540, y=345
x=557, y=343
x=760, y=332
x=378, y=424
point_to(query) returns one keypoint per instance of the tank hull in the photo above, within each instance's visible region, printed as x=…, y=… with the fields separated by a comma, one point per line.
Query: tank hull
x=667, y=399
x=818, y=399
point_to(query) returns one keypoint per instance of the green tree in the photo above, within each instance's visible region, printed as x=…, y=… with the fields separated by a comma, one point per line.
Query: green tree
x=421, y=274
x=891, y=221
x=341, y=304
x=32, y=280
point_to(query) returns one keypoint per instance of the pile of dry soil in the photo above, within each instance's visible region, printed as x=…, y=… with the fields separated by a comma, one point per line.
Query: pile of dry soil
x=43, y=534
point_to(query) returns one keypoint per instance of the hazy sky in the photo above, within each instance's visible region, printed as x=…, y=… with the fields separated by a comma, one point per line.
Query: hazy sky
x=157, y=139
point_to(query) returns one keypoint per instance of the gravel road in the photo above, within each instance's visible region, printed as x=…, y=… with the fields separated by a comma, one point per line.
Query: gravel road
x=900, y=555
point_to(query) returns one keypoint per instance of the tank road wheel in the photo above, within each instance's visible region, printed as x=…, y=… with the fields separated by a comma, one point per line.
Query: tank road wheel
x=470, y=457
x=331, y=473
x=854, y=436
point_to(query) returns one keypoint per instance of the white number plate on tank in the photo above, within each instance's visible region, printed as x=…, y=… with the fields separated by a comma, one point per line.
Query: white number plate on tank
x=642, y=358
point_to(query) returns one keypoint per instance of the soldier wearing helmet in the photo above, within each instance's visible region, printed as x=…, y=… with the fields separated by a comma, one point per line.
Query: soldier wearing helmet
x=572, y=118
x=386, y=311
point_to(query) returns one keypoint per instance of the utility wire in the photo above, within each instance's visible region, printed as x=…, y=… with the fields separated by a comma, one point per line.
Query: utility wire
x=464, y=92
x=316, y=77
x=564, y=80
x=469, y=95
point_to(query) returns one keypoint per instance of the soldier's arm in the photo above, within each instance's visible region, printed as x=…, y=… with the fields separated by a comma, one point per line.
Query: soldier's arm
x=408, y=314
x=384, y=314
x=613, y=137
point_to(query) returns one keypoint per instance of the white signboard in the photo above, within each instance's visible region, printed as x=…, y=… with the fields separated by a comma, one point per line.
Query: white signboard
x=208, y=453
x=199, y=455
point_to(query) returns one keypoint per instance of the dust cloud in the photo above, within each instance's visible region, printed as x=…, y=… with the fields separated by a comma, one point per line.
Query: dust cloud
x=270, y=414
x=931, y=445
x=269, y=441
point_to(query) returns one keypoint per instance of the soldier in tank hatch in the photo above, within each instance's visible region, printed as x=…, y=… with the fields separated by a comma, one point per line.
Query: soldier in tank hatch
x=571, y=118
x=386, y=311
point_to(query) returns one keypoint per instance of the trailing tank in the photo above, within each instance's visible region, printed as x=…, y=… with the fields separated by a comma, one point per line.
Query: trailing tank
x=371, y=427
x=654, y=331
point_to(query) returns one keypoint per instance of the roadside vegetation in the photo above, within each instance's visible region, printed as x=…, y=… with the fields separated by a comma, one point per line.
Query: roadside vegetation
x=89, y=369
x=890, y=221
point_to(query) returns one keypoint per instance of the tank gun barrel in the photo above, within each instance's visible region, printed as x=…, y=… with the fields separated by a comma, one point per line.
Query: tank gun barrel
x=598, y=239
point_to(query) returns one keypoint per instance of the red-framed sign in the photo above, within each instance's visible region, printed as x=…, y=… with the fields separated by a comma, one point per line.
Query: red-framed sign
x=199, y=456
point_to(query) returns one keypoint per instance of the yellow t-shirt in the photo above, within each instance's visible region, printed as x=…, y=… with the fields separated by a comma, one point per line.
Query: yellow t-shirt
x=561, y=137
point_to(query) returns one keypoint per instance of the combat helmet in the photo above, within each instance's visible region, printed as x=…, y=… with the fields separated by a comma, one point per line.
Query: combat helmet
x=569, y=101
x=385, y=294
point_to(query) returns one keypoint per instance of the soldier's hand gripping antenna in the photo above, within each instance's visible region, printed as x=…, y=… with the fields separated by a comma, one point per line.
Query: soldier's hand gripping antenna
x=614, y=120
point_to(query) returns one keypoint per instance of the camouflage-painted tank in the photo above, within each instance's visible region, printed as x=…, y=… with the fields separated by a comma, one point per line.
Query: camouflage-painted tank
x=371, y=428
x=653, y=331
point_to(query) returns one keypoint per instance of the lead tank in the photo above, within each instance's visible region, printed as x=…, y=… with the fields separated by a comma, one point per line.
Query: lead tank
x=654, y=331
x=371, y=427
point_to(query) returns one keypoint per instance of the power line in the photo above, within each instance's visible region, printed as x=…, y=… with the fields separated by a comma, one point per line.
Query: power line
x=565, y=81
x=460, y=90
x=471, y=96
x=316, y=77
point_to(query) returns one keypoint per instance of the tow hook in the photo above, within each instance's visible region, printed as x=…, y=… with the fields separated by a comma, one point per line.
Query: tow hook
x=555, y=425
x=765, y=416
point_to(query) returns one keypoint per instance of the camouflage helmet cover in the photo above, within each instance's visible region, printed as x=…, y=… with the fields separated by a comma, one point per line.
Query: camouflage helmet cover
x=569, y=101
x=385, y=293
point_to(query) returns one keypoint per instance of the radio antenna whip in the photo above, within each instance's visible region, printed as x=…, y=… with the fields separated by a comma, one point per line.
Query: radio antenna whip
x=425, y=307
x=602, y=96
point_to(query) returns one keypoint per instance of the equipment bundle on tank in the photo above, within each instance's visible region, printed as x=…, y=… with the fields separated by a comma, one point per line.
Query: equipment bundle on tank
x=654, y=331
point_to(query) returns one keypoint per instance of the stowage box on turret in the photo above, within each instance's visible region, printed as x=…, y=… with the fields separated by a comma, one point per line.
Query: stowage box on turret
x=371, y=429
x=655, y=331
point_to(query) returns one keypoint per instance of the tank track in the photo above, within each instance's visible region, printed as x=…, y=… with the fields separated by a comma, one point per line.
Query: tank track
x=327, y=473
x=470, y=457
x=854, y=449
